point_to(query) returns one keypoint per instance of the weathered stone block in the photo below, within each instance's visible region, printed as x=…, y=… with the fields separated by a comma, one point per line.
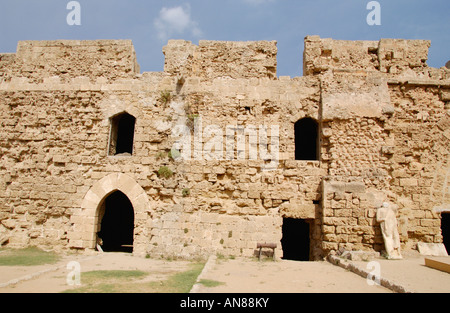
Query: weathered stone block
x=408, y=182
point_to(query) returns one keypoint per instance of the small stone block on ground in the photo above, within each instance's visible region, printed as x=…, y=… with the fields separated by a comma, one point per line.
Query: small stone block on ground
x=432, y=249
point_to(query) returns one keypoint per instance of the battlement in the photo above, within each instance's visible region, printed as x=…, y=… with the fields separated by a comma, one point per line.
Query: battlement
x=392, y=56
x=116, y=59
x=213, y=59
x=37, y=60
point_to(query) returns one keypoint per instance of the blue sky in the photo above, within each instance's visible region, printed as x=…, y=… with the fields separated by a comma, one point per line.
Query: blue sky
x=150, y=23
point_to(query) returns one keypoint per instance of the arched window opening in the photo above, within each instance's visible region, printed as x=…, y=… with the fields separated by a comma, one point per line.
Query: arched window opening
x=307, y=140
x=122, y=134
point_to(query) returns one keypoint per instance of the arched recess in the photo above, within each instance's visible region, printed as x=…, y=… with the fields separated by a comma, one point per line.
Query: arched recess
x=87, y=220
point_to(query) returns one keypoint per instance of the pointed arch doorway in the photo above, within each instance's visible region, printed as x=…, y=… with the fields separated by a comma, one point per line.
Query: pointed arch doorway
x=87, y=221
x=116, y=223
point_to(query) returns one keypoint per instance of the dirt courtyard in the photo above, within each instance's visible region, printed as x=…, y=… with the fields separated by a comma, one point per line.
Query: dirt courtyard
x=53, y=278
x=240, y=275
x=244, y=275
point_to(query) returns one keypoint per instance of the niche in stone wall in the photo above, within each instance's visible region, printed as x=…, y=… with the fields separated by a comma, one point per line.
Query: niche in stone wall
x=307, y=140
x=122, y=134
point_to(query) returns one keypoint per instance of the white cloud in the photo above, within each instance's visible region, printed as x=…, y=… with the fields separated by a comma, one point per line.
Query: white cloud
x=176, y=21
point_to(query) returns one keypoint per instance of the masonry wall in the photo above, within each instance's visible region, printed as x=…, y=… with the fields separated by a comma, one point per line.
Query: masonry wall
x=384, y=129
x=383, y=135
x=391, y=56
x=402, y=157
x=64, y=60
x=221, y=59
x=419, y=163
x=55, y=150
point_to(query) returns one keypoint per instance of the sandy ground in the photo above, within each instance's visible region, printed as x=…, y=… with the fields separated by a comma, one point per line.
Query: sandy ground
x=412, y=274
x=243, y=275
x=55, y=279
x=250, y=276
x=239, y=275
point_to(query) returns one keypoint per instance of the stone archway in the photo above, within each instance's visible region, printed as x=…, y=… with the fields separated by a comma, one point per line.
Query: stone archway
x=116, y=223
x=86, y=221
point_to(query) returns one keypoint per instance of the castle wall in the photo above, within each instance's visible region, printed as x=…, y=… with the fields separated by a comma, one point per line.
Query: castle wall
x=55, y=148
x=383, y=135
x=420, y=158
x=397, y=152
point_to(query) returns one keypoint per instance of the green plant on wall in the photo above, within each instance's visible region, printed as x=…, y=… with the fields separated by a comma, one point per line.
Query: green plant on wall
x=165, y=97
x=185, y=192
x=165, y=172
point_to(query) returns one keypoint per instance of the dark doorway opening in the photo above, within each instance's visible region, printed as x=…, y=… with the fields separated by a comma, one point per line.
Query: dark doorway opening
x=122, y=134
x=295, y=242
x=445, y=227
x=307, y=140
x=117, y=224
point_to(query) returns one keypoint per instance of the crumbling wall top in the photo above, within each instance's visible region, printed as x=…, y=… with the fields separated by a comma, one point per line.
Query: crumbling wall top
x=392, y=56
x=37, y=60
x=225, y=59
x=6, y=60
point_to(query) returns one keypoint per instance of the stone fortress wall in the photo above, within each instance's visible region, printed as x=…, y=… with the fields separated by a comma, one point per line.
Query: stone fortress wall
x=383, y=134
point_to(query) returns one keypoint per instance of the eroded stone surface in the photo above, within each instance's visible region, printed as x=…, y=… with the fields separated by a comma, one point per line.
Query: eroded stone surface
x=382, y=116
